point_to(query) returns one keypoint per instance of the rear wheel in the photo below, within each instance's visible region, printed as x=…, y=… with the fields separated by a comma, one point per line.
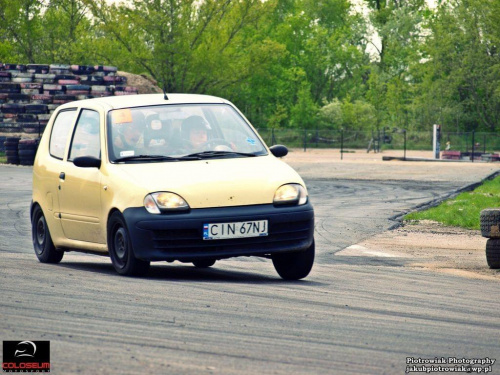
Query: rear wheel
x=493, y=253
x=42, y=241
x=294, y=266
x=204, y=263
x=120, y=249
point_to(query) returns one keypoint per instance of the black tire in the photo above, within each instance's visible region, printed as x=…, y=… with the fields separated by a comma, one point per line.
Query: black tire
x=493, y=253
x=11, y=147
x=26, y=154
x=120, y=249
x=13, y=153
x=13, y=108
x=204, y=263
x=294, y=266
x=490, y=223
x=42, y=241
x=26, y=161
x=31, y=147
x=37, y=109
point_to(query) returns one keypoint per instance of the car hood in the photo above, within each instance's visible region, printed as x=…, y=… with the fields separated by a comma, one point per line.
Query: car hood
x=215, y=182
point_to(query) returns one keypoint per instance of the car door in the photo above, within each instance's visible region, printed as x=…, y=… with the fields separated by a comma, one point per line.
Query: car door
x=47, y=171
x=80, y=188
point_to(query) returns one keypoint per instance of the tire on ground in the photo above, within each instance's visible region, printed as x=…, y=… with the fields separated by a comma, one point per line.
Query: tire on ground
x=204, y=263
x=490, y=222
x=296, y=265
x=42, y=241
x=12, y=160
x=121, y=250
x=493, y=253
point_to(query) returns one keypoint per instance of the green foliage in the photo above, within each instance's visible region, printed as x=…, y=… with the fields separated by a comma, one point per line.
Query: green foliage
x=304, y=111
x=330, y=115
x=22, y=29
x=358, y=115
x=286, y=63
x=464, y=64
x=464, y=210
x=347, y=115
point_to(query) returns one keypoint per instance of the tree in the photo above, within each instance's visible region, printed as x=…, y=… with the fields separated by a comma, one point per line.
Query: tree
x=22, y=29
x=189, y=46
x=462, y=71
x=330, y=115
x=399, y=27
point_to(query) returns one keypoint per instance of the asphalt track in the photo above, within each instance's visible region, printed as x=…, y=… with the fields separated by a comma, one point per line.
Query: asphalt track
x=362, y=315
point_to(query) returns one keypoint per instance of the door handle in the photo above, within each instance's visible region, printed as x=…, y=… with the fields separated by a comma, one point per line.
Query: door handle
x=62, y=176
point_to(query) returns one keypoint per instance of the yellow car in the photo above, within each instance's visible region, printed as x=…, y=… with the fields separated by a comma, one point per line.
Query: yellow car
x=146, y=178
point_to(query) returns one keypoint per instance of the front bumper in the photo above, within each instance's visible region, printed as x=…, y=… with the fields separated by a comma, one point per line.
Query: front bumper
x=179, y=236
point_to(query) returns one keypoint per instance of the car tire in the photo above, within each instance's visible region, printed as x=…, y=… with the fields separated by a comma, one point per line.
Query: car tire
x=493, y=253
x=42, y=241
x=296, y=265
x=204, y=263
x=121, y=250
x=490, y=223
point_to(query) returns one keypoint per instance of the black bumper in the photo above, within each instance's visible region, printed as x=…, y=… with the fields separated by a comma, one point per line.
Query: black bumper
x=179, y=236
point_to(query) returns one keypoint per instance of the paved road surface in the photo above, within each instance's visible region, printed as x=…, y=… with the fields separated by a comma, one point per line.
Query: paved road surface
x=359, y=315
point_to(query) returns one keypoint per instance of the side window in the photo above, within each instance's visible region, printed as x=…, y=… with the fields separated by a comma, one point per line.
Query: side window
x=86, y=136
x=60, y=131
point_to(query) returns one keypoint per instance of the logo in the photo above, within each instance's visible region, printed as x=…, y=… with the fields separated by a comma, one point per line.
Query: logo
x=26, y=356
x=28, y=349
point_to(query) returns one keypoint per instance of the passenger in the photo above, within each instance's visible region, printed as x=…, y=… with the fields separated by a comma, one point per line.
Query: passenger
x=130, y=137
x=157, y=135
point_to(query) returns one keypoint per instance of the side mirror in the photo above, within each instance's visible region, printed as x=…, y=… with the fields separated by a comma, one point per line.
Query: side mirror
x=87, y=162
x=279, y=150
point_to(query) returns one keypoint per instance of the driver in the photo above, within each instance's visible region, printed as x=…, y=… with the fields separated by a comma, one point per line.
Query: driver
x=195, y=129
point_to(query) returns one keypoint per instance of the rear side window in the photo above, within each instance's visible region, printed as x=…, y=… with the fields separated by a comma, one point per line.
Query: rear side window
x=86, y=137
x=60, y=132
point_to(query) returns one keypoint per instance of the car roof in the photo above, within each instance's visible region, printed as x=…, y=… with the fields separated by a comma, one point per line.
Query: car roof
x=127, y=101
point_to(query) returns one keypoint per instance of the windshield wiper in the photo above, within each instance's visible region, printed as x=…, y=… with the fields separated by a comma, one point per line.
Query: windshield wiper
x=154, y=158
x=215, y=154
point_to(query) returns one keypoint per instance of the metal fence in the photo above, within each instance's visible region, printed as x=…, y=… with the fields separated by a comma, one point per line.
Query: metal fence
x=398, y=139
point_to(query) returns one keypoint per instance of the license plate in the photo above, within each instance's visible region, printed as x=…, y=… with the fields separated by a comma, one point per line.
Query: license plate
x=222, y=231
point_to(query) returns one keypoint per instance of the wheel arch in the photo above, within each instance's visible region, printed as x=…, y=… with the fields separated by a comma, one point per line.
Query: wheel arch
x=32, y=208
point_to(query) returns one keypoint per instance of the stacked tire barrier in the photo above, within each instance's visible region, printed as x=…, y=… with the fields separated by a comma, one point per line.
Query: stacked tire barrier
x=490, y=228
x=29, y=94
x=27, y=151
x=11, y=149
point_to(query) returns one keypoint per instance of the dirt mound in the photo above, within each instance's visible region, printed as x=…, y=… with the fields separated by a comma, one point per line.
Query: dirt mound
x=143, y=84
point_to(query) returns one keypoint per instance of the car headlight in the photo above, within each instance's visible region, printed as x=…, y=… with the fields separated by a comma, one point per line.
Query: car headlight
x=159, y=202
x=290, y=194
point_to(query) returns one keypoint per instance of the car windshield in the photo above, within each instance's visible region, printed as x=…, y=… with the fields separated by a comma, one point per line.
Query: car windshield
x=180, y=132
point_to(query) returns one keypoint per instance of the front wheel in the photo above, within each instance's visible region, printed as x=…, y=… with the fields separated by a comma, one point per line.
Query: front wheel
x=204, y=263
x=294, y=266
x=42, y=241
x=120, y=249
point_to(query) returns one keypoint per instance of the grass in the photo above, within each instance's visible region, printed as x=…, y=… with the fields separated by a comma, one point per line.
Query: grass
x=3, y=158
x=463, y=211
